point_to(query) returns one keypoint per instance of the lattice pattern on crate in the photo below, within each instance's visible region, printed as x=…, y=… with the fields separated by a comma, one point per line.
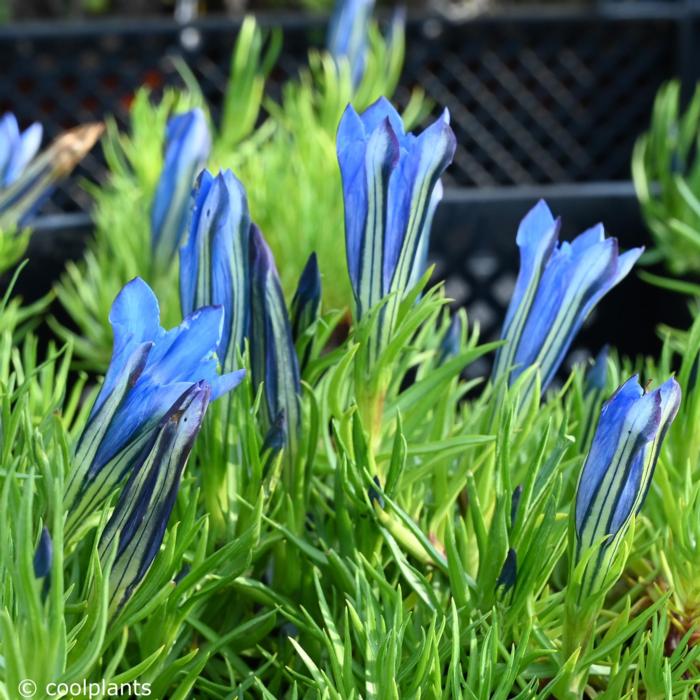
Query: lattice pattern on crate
x=544, y=101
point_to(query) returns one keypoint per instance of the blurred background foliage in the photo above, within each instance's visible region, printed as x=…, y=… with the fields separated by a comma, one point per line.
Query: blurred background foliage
x=666, y=171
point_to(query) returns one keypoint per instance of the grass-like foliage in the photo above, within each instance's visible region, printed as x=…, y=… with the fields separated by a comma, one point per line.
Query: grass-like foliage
x=424, y=557
x=316, y=503
x=666, y=172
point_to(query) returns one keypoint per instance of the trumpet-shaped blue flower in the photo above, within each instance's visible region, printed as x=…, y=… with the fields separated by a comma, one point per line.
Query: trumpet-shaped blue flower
x=27, y=178
x=17, y=148
x=137, y=525
x=187, y=147
x=149, y=370
x=348, y=35
x=618, y=470
x=273, y=359
x=391, y=187
x=214, y=259
x=557, y=287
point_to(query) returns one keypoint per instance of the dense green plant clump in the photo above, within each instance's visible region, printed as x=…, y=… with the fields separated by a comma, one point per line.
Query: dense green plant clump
x=666, y=172
x=277, y=482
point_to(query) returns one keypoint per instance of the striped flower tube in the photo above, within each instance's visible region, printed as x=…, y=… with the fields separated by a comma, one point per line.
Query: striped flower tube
x=137, y=525
x=273, y=358
x=391, y=187
x=307, y=298
x=187, y=147
x=618, y=470
x=148, y=373
x=558, y=286
x=214, y=259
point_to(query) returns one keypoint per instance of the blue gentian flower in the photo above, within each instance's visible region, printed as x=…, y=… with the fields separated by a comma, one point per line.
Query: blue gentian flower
x=137, y=525
x=16, y=148
x=558, y=285
x=273, y=359
x=27, y=178
x=348, y=35
x=187, y=147
x=149, y=371
x=619, y=467
x=391, y=186
x=214, y=259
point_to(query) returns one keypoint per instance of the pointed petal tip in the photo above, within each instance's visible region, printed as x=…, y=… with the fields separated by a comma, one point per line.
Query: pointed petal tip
x=215, y=311
x=135, y=299
x=226, y=382
x=310, y=280
x=670, y=393
x=350, y=124
x=349, y=109
x=538, y=228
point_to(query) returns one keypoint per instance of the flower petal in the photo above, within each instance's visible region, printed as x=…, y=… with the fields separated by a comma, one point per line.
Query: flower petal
x=27, y=147
x=187, y=148
x=135, y=319
x=214, y=261
x=537, y=236
x=141, y=515
x=611, y=476
x=411, y=195
x=348, y=34
x=571, y=284
x=273, y=358
x=366, y=164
